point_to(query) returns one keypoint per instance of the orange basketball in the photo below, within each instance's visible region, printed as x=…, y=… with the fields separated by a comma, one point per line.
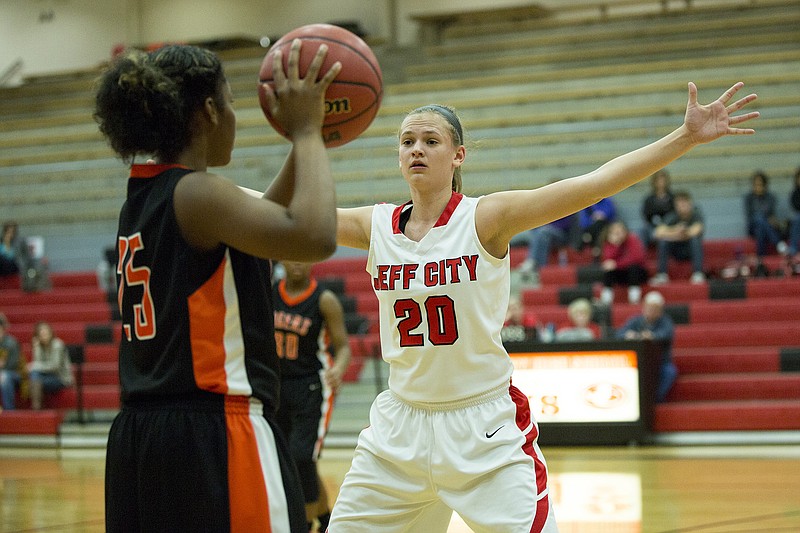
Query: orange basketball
x=353, y=98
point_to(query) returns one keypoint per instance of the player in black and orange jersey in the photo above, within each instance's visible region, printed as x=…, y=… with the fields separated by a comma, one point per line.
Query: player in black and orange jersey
x=312, y=342
x=195, y=446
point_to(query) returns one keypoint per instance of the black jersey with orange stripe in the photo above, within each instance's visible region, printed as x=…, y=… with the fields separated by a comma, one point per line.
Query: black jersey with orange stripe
x=300, y=333
x=193, y=322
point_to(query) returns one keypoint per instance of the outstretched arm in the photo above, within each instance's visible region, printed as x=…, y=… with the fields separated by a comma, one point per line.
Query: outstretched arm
x=354, y=226
x=502, y=215
x=334, y=321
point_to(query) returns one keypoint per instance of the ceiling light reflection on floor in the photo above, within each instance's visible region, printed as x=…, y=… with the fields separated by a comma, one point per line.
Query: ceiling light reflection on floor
x=588, y=502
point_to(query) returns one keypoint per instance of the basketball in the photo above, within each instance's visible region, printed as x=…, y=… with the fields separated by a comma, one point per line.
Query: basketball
x=353, y=98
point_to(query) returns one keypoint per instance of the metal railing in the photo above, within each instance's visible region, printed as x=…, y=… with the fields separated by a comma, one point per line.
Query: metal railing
x=10, y=71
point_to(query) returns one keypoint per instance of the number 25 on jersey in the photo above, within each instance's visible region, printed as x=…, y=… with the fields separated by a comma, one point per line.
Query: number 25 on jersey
x=144, y=319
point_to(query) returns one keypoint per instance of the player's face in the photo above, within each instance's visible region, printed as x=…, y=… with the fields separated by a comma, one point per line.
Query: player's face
x=427, y=154
x=297, y=271
x=223, y=136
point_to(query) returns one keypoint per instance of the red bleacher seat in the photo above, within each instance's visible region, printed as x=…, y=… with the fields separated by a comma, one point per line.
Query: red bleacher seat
x=727, y=359
x=744, y=415
x=770, y=333
x=9, y=282
x=728, y=352
x=26, y=422
x=73, y=305
x=738, y=386
x=75, y=296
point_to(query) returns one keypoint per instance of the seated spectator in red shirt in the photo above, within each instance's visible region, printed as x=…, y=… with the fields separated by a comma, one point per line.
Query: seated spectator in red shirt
x=623, y=263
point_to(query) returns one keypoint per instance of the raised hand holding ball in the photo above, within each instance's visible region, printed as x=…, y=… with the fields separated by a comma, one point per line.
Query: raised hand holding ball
x=353, y=97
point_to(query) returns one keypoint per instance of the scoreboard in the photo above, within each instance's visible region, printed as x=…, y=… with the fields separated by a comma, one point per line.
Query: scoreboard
x=585, y=393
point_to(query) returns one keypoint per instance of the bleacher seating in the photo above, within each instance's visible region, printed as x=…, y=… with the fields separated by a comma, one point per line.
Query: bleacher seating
x=81, y=314
x=730, y=336
x=543, y=82
x=579, y=89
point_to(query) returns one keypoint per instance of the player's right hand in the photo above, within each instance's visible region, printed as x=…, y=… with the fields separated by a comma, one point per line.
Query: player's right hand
x=298, y=104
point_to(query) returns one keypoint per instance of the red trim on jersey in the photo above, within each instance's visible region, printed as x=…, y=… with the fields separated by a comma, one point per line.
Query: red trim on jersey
x=294, y=300
x=444, y=218
x=207, y=332
x=449, y=209
x=524, y=421
x=151, y=170
x=542, y=510
x=247, y=491
x=396, y=217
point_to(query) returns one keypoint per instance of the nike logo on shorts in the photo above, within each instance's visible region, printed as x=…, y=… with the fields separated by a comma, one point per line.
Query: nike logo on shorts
x=490, y=435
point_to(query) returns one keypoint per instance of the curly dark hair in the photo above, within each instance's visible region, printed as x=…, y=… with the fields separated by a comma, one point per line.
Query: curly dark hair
x=145, y=102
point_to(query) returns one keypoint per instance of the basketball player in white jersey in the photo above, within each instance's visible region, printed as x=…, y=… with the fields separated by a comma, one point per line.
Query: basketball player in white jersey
x=452, y=433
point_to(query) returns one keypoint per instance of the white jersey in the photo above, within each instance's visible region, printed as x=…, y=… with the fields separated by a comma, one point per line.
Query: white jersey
x=443, y=301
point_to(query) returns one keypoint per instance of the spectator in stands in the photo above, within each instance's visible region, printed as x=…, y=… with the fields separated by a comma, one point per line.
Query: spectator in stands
x=581, y=327
x=763, y=224
x=655, y=325
x=656, y=205
x=623, y=262
x=794, y=223
x=520, y=324
x=10, y=366
x=9, y=249
x=542, y=241
x=680, y=235
x=107, y=271
x=50, y=369
x=25, y=256
x=311, y=338
x=592, y=221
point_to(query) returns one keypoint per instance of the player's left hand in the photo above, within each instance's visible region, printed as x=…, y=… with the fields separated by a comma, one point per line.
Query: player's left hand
x=706, y=123
x=334, y=376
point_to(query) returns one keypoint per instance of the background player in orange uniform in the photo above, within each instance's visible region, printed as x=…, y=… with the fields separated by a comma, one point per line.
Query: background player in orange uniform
x=311, y=338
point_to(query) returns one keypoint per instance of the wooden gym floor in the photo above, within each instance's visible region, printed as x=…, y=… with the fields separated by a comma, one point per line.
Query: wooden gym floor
x=679, y=489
